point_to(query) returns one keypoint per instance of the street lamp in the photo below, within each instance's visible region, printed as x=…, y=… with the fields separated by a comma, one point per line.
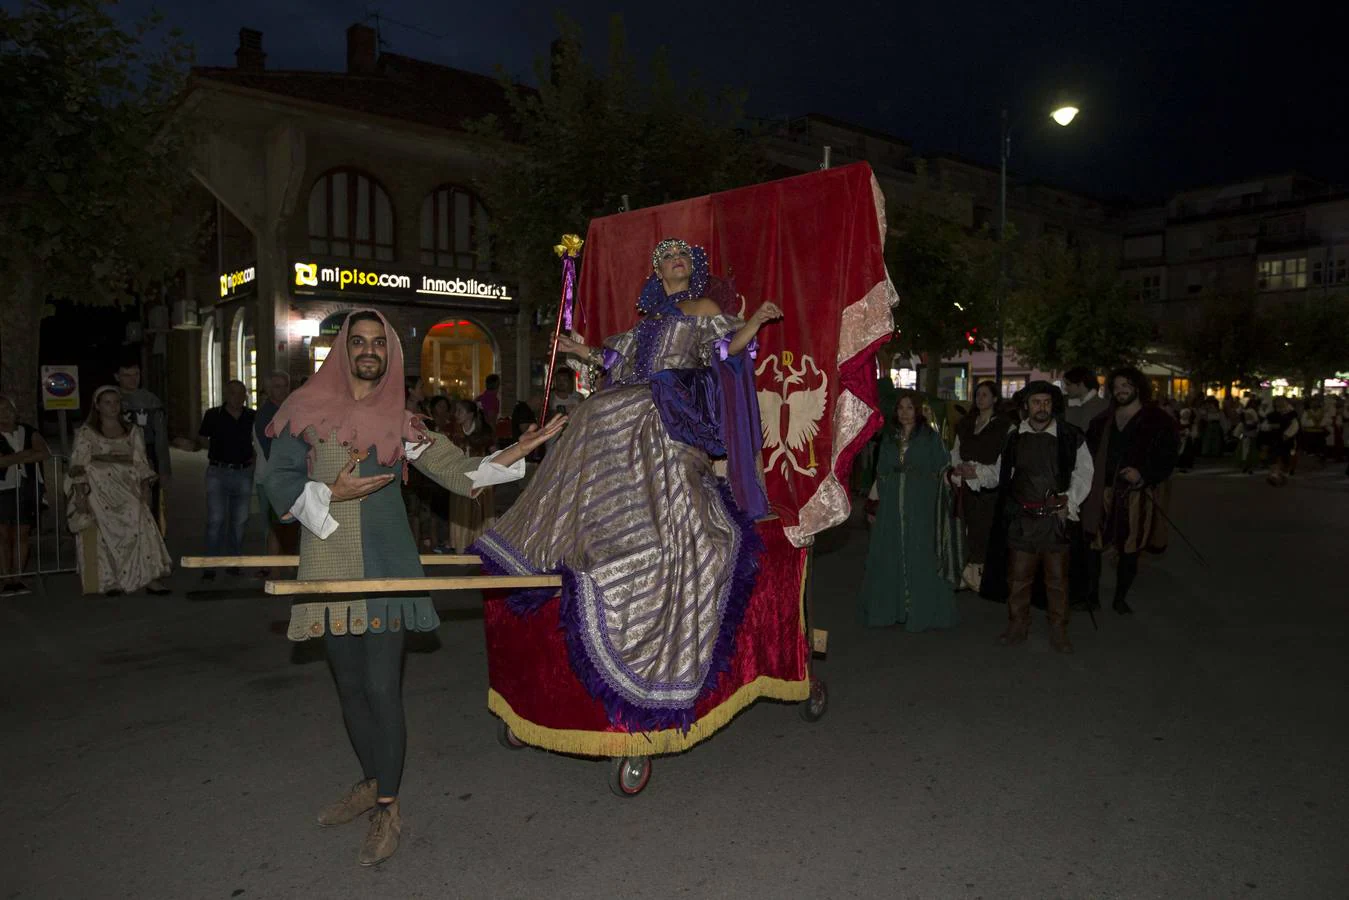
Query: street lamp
x=1064, y=116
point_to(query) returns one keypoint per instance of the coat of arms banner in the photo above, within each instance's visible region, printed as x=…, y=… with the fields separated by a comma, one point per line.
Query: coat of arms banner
x=813, y=245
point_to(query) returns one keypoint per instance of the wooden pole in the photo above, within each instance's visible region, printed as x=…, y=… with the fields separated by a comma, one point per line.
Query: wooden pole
x=421, y=585
x=290, y=562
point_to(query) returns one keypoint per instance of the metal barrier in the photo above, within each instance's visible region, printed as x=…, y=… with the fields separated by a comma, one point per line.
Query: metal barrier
x=51, y=545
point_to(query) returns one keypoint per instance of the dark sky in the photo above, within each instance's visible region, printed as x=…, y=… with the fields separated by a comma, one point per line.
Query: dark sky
x=1174, y=94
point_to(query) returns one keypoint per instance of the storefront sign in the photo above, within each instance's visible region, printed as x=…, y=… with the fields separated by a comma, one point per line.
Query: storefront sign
x=60, y=387
x=233, y=283
x=365, y=278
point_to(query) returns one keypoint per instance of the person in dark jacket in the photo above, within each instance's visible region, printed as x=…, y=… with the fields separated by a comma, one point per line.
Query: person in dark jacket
x=1134, y=448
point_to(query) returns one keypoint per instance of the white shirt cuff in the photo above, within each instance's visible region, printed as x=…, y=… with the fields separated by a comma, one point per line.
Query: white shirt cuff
x=489, y=473
x=311, y=509
x=414, y=451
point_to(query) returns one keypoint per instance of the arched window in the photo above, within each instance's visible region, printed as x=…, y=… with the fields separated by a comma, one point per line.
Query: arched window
x=245, y=363
x=454, y=230
x=211, y=381
x=350, y=215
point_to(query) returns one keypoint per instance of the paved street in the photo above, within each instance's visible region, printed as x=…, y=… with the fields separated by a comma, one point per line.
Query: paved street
x=179, y=747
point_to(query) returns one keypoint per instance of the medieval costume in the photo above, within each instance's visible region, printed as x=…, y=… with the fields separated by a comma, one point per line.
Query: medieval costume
x=658, y=556
x=1247, y=433
x=319, y=430
x=980, y=444
x=119, y=547
x=1043, y=476
x=469, y=517
x=144, y=410
x=1189, y=439
x=1213, y=436
x=1279, y=431
x=1081, y=410
x=1118, y=514
x=903, y=584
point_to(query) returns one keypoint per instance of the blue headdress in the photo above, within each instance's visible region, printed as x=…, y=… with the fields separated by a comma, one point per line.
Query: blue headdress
x=653, y=298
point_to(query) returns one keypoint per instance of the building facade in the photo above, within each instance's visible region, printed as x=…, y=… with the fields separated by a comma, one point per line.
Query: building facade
x=1281, y=240
x=333, y=190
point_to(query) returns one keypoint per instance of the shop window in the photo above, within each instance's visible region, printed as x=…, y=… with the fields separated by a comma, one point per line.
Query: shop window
x=457, y=357
x=454, y=230
x=350, y=216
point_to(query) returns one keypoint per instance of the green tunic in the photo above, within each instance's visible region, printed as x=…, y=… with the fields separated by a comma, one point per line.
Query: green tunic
x=903, y=584
x=372, y=540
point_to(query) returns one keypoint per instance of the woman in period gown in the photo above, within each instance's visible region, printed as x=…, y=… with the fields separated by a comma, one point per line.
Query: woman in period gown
x=979, y=439
x=903, y=584
x=658, y=556
x=120, y=549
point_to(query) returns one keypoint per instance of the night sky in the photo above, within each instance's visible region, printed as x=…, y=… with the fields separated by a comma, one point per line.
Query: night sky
x=1174, y=94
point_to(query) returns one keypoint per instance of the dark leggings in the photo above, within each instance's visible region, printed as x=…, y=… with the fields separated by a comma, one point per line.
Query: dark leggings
x=1125, y=574
x=368, y=669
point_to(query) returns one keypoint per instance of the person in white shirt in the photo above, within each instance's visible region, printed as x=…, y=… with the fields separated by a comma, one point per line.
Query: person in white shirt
x=1044, y=473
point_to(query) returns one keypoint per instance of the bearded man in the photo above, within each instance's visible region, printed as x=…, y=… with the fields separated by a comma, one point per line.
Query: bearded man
x=338, y=443
x=1134, y=448
x=1043, y=473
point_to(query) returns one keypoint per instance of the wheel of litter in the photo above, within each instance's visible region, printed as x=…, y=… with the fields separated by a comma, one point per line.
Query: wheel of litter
x=628, y=775
x=814, y=707
x=507, y=738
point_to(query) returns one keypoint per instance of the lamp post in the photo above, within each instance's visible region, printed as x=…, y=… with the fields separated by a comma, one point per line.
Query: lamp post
x=1063, y=116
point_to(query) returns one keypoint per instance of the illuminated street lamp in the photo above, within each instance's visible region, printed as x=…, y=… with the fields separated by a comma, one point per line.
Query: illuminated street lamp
x=1064, y=116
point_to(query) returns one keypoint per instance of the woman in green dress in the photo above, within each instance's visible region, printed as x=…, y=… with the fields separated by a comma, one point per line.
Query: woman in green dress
x=903, y=584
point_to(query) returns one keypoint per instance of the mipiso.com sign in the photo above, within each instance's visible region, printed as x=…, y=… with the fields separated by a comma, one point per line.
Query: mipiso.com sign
x=313, y=278
x=231, y=282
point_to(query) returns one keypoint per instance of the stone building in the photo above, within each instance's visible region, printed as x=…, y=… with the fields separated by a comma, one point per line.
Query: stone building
x=330, y=190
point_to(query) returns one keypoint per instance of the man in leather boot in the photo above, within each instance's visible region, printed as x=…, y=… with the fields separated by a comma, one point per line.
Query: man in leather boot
x=1043, y=475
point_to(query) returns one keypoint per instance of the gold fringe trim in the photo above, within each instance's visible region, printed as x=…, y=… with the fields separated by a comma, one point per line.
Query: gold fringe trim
x=609, y=743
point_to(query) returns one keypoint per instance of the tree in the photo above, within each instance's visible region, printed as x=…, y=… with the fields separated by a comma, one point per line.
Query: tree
x=1311, y=337
x=1229, y=343
x=586, y=138
x=945, y=275
x=1070, y=307
x=93, y=168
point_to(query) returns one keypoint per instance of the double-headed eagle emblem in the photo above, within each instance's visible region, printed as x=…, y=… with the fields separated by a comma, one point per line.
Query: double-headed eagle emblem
x=803, y=392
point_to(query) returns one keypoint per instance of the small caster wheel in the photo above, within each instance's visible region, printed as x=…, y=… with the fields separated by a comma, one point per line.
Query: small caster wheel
x=507, y=738
x=813, y=708
x=628, y=775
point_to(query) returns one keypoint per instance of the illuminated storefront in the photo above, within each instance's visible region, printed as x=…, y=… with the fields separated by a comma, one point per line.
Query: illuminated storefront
x=444, y=320
x=457, y=357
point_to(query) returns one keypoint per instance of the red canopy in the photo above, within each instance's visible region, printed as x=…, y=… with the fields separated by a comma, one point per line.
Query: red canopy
x=813, y=245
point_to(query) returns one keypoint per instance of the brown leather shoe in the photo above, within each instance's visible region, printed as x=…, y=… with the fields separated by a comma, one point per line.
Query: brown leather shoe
x=360, y=799
x=386, y=825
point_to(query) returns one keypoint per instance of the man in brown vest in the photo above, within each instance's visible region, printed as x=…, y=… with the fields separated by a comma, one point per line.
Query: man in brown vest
x=1044, y=474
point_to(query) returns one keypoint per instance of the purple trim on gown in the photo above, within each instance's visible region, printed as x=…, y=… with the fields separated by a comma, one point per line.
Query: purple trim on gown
x=647, y=680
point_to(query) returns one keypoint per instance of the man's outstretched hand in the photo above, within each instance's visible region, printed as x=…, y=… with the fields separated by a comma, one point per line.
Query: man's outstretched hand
x=350, y=486
x=531, y=439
